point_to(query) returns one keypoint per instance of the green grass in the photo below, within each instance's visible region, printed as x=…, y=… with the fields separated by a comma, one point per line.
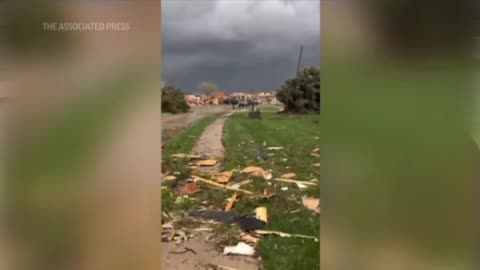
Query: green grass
x=182, y=143
x=299, y=136
x=269, y=107
x=185, y=141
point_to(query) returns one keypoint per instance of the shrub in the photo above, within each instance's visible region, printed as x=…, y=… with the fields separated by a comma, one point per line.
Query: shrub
x=173, y=100
x=302, y=93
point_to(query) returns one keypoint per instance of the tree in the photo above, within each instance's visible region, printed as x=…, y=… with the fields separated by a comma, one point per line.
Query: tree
x=302, y=93
x=173, y=100
x=208, y=88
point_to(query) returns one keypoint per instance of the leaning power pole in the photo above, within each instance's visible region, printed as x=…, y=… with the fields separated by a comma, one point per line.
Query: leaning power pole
x=299, y=59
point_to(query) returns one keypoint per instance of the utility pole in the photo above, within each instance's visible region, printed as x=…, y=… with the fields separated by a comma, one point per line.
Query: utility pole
x=299, y=59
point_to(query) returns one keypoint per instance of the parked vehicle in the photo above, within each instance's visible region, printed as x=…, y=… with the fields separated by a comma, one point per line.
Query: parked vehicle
x=242, y=103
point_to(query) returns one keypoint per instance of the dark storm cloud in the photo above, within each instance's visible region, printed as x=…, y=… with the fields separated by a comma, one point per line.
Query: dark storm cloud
x=237, y=44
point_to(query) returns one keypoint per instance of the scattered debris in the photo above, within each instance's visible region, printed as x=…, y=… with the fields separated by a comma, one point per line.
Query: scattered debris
x=167, y=226
x=178, y=236
x=206, y=162
x=258, y=171
x=252, y=170
x=302, y=186
x=316, y=165
x=249, y=238
x=311, y=203
x=267, y=195
x=295, y=181
x=240, y=249
x=185, y=156
x=188, y=188
x=224, y=177
x=205, y=229
x=246, y=223
x=316, y=150
x=249, y=224
x=184, y=251
x=261, y=214
x=231, y=201
x=267, y=175
x=169, y=178
x=274, y=148
x=219, y=216
x=282, y=234
x=179, y=200
x=315, y=155
x=212, y=183
x=239, y=184
x=289, y=175
x=218, y=267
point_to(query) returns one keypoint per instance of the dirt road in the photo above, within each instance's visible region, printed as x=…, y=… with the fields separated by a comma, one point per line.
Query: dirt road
x=206, y=252
x=172, y=124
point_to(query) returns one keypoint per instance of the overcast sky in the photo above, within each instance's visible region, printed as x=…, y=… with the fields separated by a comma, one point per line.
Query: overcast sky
x=237, y=44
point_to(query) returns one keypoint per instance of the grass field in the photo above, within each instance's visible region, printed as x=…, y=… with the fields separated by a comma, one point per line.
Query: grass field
x=184, y=142
x=269, y=108
x=299, y=136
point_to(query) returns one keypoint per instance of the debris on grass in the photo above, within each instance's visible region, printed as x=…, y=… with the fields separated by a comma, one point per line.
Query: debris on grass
x=315, y=155
x=167, y=226
x=169, y=178
x=204, y=229
x=266, y=194
x=261, y=214
x=215, y=184
x=188, y=188
x=224, y=177
x=274, y=148
x=206, y=162
x=253, y=170
x=246, y=223
x=249, y=224
x=267, y=175
x=239, y=184
x=231, y=201
x=249, y=238
x=316, y=150
x=302, y=186
x=240, y=249
x=185, y=156
x=295, y=181
x=288, y=175
x=312, y=203
x=316, y=165
x=283, y=234
x=219, y=216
